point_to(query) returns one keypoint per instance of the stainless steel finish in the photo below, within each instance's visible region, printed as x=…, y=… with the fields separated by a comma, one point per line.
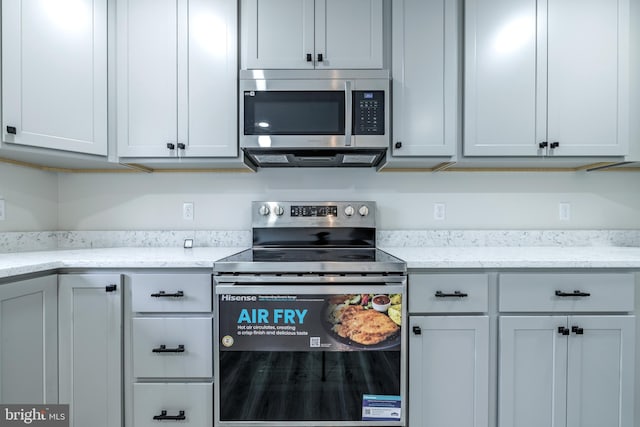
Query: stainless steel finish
x=363, y=211
x=260, y=220
x=348, y=124
x=319, y=288
x=316, y=80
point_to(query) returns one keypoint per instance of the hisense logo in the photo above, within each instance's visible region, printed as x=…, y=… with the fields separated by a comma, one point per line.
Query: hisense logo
x=40, y=415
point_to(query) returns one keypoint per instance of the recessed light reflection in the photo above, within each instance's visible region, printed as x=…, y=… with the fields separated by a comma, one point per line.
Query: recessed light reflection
x=264, y=141
x=263, y=124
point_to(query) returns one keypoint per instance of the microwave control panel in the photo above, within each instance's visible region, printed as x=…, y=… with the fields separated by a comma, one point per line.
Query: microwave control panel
x=368, y=112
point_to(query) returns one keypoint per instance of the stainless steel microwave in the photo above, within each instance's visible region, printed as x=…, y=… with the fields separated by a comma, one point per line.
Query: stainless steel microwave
x=314, y=117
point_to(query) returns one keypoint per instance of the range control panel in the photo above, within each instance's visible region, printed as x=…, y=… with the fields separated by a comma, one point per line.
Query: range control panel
x=304, y=214
x=368, y=112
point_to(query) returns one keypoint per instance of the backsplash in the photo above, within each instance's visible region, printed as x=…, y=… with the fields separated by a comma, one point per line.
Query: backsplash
x=51, y=240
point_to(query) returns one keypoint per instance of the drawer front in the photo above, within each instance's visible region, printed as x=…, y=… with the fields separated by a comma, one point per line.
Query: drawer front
x=151, y=360
x=448, y=293
x=566, y=292
x=171, y=293
x=151, y=400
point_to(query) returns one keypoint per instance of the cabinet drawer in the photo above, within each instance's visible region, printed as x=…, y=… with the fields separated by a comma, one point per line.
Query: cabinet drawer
x=444, y=293
x=171, y=293
x=151, y=360
x=151, y=400
x=570, y=292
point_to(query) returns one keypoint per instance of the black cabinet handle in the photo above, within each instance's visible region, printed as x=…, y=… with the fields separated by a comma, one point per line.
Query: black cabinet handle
x=12, y=130
x=171, y=146
x=562, y=330
x=572, y=294
x=111, y=288
x=417, y=330
x=163, y=349
x=181, y=146
x=577, y=330
x=163, y=294
x=309, y=57
x=164, y=417
x=398, y=144
x=455, y=294
x=320, y=57
x=543, y=144
x=554, y=145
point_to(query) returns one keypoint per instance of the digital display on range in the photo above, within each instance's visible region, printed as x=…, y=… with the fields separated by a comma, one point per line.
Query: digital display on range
x=314, y=211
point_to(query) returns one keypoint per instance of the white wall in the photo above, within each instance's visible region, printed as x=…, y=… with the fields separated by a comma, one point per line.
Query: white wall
x=31, y=199
x=474, y=200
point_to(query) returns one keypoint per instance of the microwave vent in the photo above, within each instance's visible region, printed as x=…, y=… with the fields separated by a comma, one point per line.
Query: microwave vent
x=359, y=158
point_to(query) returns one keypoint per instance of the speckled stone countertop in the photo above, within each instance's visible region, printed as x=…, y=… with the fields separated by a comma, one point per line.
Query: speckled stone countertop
x=14, y=264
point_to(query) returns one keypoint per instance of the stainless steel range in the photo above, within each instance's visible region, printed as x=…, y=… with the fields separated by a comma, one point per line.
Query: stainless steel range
x=309, y=323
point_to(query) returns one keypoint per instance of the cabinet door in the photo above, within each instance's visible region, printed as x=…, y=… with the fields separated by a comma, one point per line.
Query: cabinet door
x=532, y=371
x=54, y=74
x=425, y=77
x=348, y=33
x=505, y=77
x=588, y=81
x=91, y=349
x=208, y=96
x=449, y=364
x=147, y=42
x=277, y=34
x=601, y=371
x=28, y=341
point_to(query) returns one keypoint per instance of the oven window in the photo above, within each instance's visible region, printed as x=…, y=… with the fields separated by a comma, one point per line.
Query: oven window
x=304, y=386
x=294, y=112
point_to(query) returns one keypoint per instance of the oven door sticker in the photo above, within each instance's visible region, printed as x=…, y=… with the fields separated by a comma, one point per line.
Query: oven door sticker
x=377, y=407
x=343, y=322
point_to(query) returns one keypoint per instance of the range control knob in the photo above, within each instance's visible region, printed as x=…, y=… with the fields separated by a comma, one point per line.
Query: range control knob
x=363, y=211
x=264, y=210
x=278, y=210
x=349, y=211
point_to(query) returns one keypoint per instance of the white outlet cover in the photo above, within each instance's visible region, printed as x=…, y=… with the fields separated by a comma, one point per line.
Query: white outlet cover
x=439, y=211
x=187, y=211
x=564, y=211
x=2, y=210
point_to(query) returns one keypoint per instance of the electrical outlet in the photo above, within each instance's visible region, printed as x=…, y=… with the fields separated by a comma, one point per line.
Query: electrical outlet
x=439, y=211
x=187, y=211
x=2, y=210
x=564, y=211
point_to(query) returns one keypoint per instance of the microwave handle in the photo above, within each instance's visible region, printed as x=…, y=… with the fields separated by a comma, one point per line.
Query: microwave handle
x=349, y=113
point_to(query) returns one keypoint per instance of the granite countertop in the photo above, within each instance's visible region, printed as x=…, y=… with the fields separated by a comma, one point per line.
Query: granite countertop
x=13, y=264
x=518, y=257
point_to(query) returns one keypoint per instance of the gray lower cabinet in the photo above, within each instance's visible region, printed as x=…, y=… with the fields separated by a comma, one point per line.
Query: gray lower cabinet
x=28, y=341
x=169, y=349
x=90, y=338
x=565, y=358
x=448, y=352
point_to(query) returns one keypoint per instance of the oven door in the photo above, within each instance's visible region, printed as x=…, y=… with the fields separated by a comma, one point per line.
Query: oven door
x=295, y=113
x=310, y=351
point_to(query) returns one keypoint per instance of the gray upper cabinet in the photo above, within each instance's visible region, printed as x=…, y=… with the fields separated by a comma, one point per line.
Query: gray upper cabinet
x=54, y=75
x=308, y=34
x=177, y=77
x=546, y=77
x=425, y=77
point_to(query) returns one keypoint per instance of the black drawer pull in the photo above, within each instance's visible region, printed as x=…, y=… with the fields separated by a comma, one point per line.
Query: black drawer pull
x=163, y=294
x=456, y=294
x=417, y=330
x=562, y=330
x=164, y=417
x=572, y=294
x=577, y=330
x=163, y=349
x=12, y=130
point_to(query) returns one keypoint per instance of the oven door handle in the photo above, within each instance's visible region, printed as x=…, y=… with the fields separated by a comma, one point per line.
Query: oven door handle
x=310, y=289
x=309, y=280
